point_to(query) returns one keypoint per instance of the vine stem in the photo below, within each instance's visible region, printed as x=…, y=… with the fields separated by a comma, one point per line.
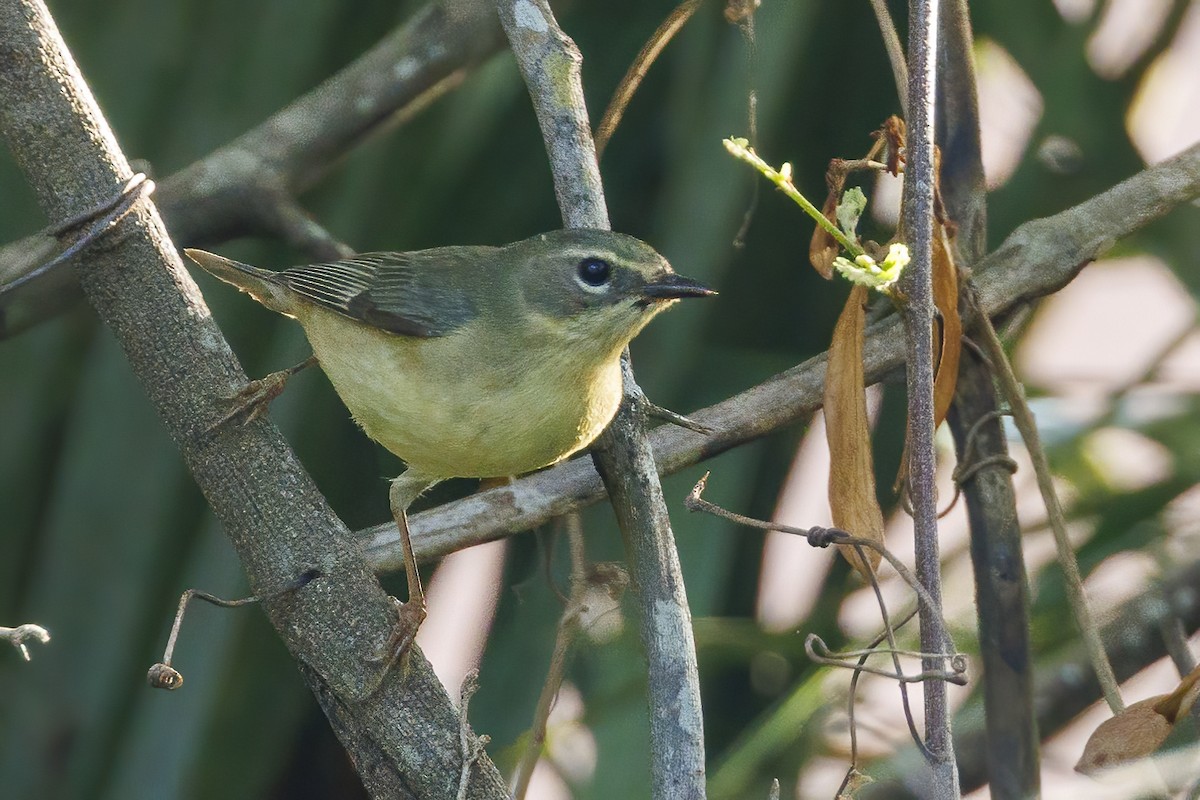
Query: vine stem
x=919, y=182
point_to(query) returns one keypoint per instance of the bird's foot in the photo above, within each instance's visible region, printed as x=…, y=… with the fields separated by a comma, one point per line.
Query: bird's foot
x=396, y=649
x=254, y=399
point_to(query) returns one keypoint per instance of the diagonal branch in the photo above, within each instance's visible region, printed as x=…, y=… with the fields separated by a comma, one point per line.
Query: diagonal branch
x=405, y=738
x=1037, y=259
x=550, y=64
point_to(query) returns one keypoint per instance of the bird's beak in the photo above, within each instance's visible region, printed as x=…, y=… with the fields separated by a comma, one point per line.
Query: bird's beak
x=672, y=287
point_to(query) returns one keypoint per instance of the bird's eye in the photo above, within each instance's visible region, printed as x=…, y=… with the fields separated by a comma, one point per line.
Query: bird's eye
x=594, y=271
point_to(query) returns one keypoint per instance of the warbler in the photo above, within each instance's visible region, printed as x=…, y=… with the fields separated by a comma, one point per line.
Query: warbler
x=471, y=361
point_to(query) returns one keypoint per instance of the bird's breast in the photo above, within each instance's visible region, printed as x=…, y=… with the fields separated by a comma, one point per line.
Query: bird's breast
x=467, y=404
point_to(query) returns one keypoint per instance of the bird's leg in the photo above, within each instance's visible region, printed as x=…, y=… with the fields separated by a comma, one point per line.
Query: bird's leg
x=252, y=400
x=409, y=615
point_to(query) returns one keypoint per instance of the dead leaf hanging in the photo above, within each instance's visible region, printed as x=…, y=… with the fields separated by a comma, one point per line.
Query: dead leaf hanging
x=852, y=471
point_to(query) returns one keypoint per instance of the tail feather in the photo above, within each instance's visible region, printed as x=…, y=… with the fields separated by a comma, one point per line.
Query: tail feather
x=261, y=284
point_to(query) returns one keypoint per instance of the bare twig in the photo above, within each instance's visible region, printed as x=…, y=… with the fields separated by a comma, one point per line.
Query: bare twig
x=817, y=536
x=238, y=188
x=889, y=634
x=895, y=51
x=103, y=218
x=1176, y=641
x=819, y=652
x=1001, y=586
x=1027, y=425
x=550, y=62
x=674, y=418
x=17, y=636
x=852, y=773
x=162, y=675
x=1035, y=260
x=816, y=648
x=568, y=629
x=741, y=13
x=629, y=84
x=276, y=519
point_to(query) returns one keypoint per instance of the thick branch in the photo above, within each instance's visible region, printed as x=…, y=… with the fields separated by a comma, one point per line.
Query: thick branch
x=550, y=64
x=1001, y=587
x=248, y=185
x=1037, y=259
x=405, y=738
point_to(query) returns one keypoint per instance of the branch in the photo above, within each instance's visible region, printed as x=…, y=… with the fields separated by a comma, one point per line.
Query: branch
x=405, y=740
x=249, y=185
x=550, y=64
x=1037, y=259
x=1001, y=586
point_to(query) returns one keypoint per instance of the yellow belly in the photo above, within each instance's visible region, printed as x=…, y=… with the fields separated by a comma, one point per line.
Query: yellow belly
x=460, y=405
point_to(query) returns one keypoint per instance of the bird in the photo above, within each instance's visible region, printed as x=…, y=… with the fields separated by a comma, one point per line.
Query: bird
x=469, y=361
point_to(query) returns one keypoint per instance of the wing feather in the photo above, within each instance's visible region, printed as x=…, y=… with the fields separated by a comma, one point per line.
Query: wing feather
x=402, y=293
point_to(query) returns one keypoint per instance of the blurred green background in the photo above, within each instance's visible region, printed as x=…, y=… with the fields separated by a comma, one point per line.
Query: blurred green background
x=101, y=527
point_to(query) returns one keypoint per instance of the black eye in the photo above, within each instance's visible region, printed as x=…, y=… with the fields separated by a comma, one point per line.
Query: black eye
x=594, y=271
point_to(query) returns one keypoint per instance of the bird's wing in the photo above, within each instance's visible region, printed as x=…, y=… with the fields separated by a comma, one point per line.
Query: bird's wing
x=401, y=293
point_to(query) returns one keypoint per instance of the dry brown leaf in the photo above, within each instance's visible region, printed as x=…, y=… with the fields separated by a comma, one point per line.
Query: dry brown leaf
x=823, y=248
x=1179, y=702
x=852, y=470
x=1134, y=733
x=893, y=133
x=948, y=344
x=945, y=299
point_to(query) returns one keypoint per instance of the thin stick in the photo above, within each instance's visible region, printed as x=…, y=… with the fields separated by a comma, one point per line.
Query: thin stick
x=568, y=630
x=817, y=536
x=104, y=217
x=1027, y=425
x=162, y=675
x=629, y=84
x=741, y=12
x=918, y=324
x=819, y=652
x=852, y=770
x=895, y=52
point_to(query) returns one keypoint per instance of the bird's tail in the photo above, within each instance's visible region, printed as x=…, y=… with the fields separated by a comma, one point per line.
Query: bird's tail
x=261, y=284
